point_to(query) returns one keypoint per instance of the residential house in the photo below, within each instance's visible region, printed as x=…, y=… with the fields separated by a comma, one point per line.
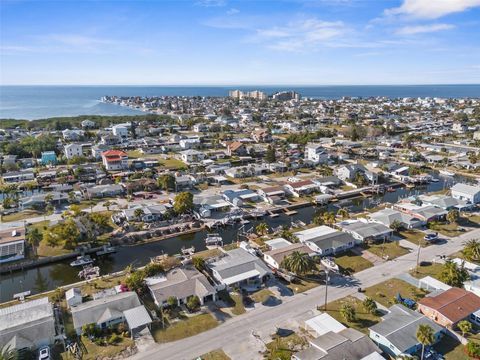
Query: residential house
x=236, y=148
x=345, y=344
x=18, y=176
x=237, y=197
x=150, y=212
x=115, y=160
x=191, y=156
x=366, y=231
x=272, y=194
x=388, y=216
x=207, y=204
x=445, y=202
x=88, y=124
x=73, y=297
x=261, y=135
x=48, y=158
x=274, y=258
x=316, y=154
x=300, y=188
x=38, y=200
x=469, y=193
x=102, y=191
x=450, y=306
x=72, y=150
x=395, y=334
x=349, y=172
x=181, y=284
x=28, y=326
x=326, y=241
x=424, y=213
x=189, y=143
x=246, y=171
x=12, y=244
x=121, y=130
x=72, y=135
x=239, y=268
x=104, y=311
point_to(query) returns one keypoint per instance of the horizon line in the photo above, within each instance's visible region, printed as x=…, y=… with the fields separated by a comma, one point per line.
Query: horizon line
x=241, y=85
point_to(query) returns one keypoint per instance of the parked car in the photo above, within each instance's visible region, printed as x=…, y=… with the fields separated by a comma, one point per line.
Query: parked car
x=44, y=353
x=431, y=237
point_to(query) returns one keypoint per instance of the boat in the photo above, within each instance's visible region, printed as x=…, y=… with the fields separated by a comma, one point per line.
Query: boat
x=446, y=173
x=82, y=261
x=434, y=179
x=329, y=264
x=213, y=240
x=390, y=189
x=89, y=272
x=298, y=224
x=106, y=249
x=188, y=251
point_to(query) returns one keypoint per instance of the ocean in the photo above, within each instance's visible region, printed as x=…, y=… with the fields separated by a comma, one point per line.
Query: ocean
x=39, y=102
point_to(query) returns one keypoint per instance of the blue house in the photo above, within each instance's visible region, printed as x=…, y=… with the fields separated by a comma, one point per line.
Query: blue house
x=48, y=158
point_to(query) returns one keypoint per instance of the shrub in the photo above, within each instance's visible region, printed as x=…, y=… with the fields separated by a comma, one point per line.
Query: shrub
x=114, y=339
x=193, y=303
x=473, y=349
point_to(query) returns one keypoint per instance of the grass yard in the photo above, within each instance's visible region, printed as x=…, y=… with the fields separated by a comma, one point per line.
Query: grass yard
x=214, y=355
x=364, y=319
x=21, y=215
x=282, y=347
x=302, y=285
x=450, y=230
x=391, y=250
x=94, y=351
x=134, y=154
x=350, y=263
x=414, y=236
x=451, y=349
x=184, y=328
x=44, y=250
x=209, y=253
x=172, y=163
x=385, y=292
x=432, y=270
x=261, y=295
x=238, y=308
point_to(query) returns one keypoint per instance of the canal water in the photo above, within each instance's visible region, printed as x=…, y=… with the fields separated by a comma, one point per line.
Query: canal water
x=50, y=276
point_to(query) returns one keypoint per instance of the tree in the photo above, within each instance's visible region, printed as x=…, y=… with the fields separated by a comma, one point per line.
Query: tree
x=343, y=213
x=138, y=213
x=370, y=305
x=262, y=229
x=396, y=225
x=453, y=216
x=348, y=313
x=270, y=155
x=328, y=217
x=471, y=250
x=454, y=275
x=172, y=301
x=166, y=182
x=183, y=203
x=425, y=336
x=298, y=263
x=90, y=330
x=34, y=236
x=193, y=303
x=199, y=263
x=288, y=235
x=465, y=326
x=6, y=353
x=360, y=179
x=136, y=281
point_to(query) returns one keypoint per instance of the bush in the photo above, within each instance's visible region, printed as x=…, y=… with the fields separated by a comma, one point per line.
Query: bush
x=153, y=269
x=193, y=303
x=114, y=339
x=473, y=349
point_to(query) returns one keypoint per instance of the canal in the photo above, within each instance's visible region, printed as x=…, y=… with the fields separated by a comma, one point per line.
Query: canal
x=51, y=276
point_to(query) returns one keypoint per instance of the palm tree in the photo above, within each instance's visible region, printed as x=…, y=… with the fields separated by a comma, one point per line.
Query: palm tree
x=34, y=237
x=328, y=217
x=348, y=312
x=425, y=336
x=261, y=229
x=343, y=213
x=453, y=216
x=8, y=354
x=370, y=305
x=471, y=250
x=465, y=326
x=299, y=263
x=138, y=213
x=396, y=225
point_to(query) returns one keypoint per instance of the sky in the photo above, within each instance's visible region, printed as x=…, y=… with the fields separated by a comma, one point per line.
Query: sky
x=222, y=42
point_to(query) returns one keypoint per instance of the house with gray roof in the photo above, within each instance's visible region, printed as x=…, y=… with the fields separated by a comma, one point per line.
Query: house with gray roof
x=366, y=231
x=181, y=283
x=28, y=326
x=325, y=240
x=104, y=311
x=388, y=216
x=469, y=193
x=345, y=344
x=395, y=334
x=445, y=202
x=239, y=268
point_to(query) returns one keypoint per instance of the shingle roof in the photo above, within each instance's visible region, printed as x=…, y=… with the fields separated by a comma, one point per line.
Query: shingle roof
x=137, y=317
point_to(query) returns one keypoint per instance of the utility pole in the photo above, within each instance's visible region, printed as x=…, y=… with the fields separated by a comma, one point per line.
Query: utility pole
x=418, y=255
x=326, y=288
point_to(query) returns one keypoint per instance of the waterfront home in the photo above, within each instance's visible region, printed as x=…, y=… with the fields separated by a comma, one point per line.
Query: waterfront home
x=238, y=197
x=450, y=307
x=274, y=258
x=277, y=243
x=48, y=158
x=206, y=204
x=239, y=268
x=72, y=150
x=388, y=216
x=28, y=326
x=104, y=311
x=395, y=334
x=149, y=212
x=272, y=194
x=345, y=344
x=350, y=171
x=469, y=193
x=191, y=156
x=445, y=202
x=73, y=297
x=38, y=200
x=247, y=171
x=326, y=241
x=115, y=160
x=180, y=283
x=102, y=191
x=18, y=176
x=424, y=213
x=366, y=231
x=12, y=244
x=316, y=154
x=300, y=188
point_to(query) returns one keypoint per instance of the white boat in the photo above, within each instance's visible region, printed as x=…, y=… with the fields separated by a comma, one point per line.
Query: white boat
x=329, y=264
x=188, y=251
x=82, y=261
x=89, y=272
x=213, y=240
x=434, y=179
x=446, y=172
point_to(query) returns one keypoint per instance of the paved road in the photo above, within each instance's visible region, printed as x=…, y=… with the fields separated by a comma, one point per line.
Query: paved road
x=234, y=336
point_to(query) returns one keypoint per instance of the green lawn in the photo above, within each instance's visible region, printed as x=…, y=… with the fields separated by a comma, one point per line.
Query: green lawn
x=261, y=295
x=390, y=250
x=350, y=263
x=94, y=351
x=238, y=308
x=21, y=215
x=209, y=253
x=214, y=355
x=172, y=163
x=44, y=250
x=184, y=328
x=283, y=347
x=302, y=285
x=414, y=236
x=451, y=349
x=364, y=319
x=134, y=154
x=432, y=270
x=385, y=292
x=450, y=230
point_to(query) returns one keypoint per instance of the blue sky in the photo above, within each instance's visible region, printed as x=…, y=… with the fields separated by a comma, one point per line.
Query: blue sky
x=316, y=42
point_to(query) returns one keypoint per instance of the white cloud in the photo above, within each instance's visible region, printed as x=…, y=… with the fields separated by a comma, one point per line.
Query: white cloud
x=232, y=11
x=432, y=9
x=421, y=29
x=300, y=35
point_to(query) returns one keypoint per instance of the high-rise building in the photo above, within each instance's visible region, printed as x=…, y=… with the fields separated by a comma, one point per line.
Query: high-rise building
x=255, y=94
x=286, y=95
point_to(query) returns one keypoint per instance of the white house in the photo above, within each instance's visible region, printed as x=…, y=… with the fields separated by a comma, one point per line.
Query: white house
x=192, y=156
x=73, y=297
x=115, y=160
x=120, y=130
x=316, y=154
x=72, y=150
x=470, y=193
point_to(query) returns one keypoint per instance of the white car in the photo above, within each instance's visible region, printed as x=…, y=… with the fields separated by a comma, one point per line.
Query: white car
x=44, y=353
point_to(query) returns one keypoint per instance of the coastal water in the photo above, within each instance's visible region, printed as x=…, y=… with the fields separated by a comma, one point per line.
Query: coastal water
x=50, y=276
x=38, y=102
